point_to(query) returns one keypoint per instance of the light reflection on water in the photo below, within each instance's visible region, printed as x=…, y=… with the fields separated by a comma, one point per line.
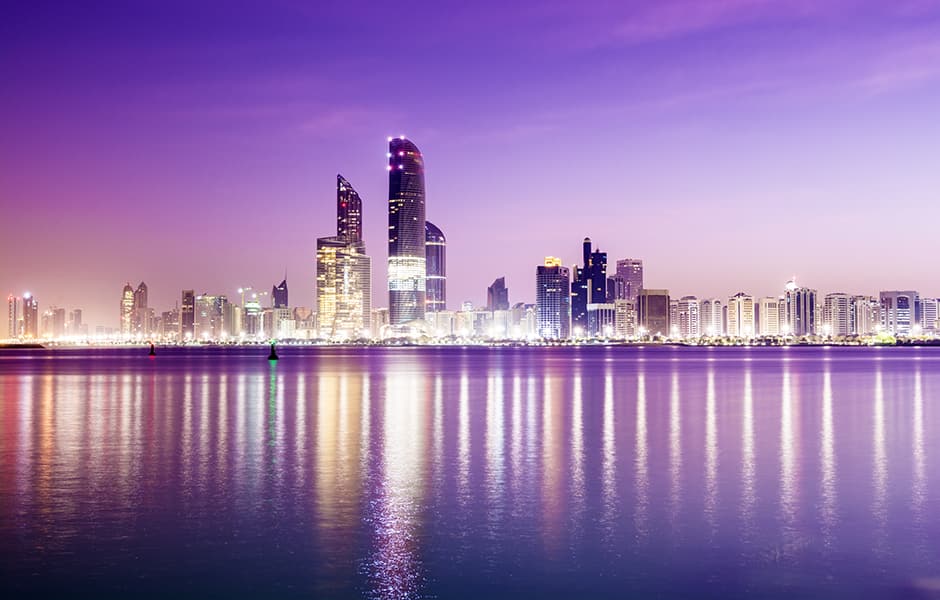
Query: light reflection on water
x=406, y=473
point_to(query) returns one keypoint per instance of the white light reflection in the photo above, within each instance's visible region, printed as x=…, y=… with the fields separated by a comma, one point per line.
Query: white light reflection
x=495, y=438
x=828, y=461
x=675, y=452
x=608, y=464
x=463, y=441
x=919, y=491
x=788, y=452
x=577, y=452
x=879, y=472
x=748, y=466
x=711, y=452
x=641, y=460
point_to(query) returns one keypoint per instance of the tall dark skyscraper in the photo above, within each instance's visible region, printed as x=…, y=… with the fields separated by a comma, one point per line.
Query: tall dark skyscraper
x=407, y=258
x=589, y=286
x=140, y=315
x=553, y=299
x=653, y=312
x=187, y=315
x=279, y=295
x=497, y=295
x=348, y=211
x=436, y=260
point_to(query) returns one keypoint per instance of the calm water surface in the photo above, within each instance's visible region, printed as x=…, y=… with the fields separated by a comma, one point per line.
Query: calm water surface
x=464, y=473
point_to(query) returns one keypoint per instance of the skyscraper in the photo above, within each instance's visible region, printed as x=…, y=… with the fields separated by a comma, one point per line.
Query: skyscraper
x=712, y=317
x=653, y=311
x=187, y=315
x=553, y=299
x=929, y=314
x=866, y=312
x=30, y=316
x=407, y=253
x=801, y=309
x=769, y=316
x=688, y=317
x=348, y=212
x=279, y=291
x=630, y=270
x=344, y=272
x=741, y=315
x=13, y=316
x=589, y=285
x=899, y=311
x=436, y=261
x=497, y=295
x=140, y=314
x=838, y=315
x=127, y=310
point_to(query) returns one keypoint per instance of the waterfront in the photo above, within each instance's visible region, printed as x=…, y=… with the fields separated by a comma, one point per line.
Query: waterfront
x=468, y=472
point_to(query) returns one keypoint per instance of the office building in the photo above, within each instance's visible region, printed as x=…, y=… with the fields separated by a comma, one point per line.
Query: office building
x=630, y=271
x=653, y=312
x=30, y=327
x=497, y=295
x=13, y=316
x=929, y=315
x=127, y=310
x=407, y=252
x=770, y=318
x=348, y=213
x=688, y=318
x=800, y=310
x=279, y=297
x=140, y=313
x=741, y=316
x=602, y=319
x=625, y=319
x=711, y=316
x=186, y=319
x=436, y=265
x=553, y=299
x=899, y=311
x=589, y=285
x=838, y=315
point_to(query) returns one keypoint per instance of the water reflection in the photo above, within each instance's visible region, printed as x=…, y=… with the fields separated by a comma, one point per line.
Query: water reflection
x=400, y=475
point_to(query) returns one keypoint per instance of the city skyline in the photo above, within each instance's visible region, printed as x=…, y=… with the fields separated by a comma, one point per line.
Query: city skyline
x=140, y=164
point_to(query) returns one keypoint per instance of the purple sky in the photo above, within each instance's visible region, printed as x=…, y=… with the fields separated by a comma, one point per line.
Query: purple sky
x=729, y=144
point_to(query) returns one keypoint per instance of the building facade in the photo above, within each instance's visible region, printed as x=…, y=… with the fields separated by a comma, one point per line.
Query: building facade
x=899, y=311
x=436, y=261
x=741, y=322
x=553, y=299
x=630, y=272
x=589, y=285
x=407, y=252
x=653, y=312
x=801, y=310
x=688, y=317
x=497, y=295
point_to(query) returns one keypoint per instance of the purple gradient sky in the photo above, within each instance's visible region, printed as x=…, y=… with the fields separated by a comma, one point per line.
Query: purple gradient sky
x=729, y=144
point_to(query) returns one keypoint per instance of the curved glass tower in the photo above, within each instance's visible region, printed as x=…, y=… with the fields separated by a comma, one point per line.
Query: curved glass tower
x=348, y=211
x=436, y=283
x=406, y=233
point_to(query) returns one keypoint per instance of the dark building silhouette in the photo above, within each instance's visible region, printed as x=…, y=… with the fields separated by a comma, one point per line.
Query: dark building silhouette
x=348, y=212
x=279, y=295
x=589, y=285
x=497, y=295
x=653, y=311
x=407, y=253
x=187, y=315
x=436, y=261
x=140, y=314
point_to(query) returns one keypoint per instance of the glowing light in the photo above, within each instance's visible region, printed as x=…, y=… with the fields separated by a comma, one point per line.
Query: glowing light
x=27, y=295
x=389, y=139
x=401, y=153
x=388, y=168
x=402, y=136
x=388, y=154
x=401, y=166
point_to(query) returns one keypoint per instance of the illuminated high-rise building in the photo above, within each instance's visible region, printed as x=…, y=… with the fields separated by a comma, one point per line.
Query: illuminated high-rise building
x=653, y=312
x=140, y=314
x=344, y=272
x=279, y=292
x=436, y=261
x=187, y=315
x=711, y=315
x=625, y=319
x=866, y=315
x=688, y=318
x=407, y=252
x=741, y=315
x=75, y=325
x=801, y=310
x=13, y=316
x=630, y=270
x=838, y=316
x=30, y=316
x=127, y=310
x=929, y=314
x=497, y=295
x=588, y=287
x=553, y=299
x=899, y=311
x=348, y=212
x=344, y=282
x=769, y=316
